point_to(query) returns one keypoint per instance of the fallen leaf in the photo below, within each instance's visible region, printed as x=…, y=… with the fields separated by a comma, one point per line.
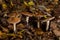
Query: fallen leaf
x=4, y=6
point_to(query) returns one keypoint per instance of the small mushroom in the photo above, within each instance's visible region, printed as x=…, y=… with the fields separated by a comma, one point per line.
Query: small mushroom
x=48, y=22
x=38, y=15
x=14, y=21
x=27, y=14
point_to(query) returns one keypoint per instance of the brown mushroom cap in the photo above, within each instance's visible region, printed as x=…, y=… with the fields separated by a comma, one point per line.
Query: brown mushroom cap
x=13, y=20
x=39, y=14
x=27, y=14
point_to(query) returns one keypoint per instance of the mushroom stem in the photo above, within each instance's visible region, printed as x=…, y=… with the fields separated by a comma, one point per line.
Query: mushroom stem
x=38, y=23
x=27, y=19
x=48, y=22
x=14, y=27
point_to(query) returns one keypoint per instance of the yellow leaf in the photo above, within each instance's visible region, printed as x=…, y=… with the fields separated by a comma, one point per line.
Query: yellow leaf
x=45, y=16
x=31, y=3
x=26, y=3
x=4, y=6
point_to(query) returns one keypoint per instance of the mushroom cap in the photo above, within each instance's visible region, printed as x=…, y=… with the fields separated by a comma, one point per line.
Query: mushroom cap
x=48, y=19
x=27, y=14
x=38, y=14
x=32, y=14
x=13, y=20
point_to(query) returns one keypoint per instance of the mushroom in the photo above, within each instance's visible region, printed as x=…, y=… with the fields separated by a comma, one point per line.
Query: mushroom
x=38, y=15
x=14, y=21
x=27, y=14
x=48, y=21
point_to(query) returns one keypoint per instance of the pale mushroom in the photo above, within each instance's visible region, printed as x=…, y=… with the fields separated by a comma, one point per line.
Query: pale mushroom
x=48, y=21
x=27, y=14
x=38, y=15
x=14, y=21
